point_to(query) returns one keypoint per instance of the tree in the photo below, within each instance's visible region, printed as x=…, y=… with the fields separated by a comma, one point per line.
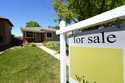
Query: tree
x=88, y=8
x=83, y=9
x=32, y=24
x=56, y=27
x=62, y=10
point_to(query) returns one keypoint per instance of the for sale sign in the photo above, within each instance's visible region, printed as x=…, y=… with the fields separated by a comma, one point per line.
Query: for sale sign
x=97, y=56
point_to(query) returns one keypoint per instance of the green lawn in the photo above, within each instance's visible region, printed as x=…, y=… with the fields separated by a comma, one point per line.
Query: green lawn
x=28, y=65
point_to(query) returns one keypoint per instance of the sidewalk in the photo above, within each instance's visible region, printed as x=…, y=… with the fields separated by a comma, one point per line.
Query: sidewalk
x=1, y=52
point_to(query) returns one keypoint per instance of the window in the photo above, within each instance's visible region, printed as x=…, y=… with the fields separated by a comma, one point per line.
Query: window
x=29, y=34
x=49, y=35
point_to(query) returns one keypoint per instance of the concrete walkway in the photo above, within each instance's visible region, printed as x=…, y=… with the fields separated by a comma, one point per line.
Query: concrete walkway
x=1, y=52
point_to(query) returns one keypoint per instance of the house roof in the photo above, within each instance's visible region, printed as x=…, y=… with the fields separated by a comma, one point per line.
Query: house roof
x=7, y=20
x=37, y=29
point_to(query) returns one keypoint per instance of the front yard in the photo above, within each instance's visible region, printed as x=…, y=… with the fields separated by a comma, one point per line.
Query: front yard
x=28, y=65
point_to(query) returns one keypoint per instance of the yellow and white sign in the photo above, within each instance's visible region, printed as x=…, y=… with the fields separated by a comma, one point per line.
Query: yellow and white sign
x=97, y=57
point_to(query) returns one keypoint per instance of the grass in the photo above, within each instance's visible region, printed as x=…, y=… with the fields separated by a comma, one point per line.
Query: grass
x=52, y=45
x=28, y=65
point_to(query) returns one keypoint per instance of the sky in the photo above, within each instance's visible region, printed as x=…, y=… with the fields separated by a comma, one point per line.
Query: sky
x=21, y=11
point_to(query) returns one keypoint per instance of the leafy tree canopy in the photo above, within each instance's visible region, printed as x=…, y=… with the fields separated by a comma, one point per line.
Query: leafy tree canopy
x=32, y=24
x=77, y=10
x=88, y=8
x=56, y=27
x=62, y=11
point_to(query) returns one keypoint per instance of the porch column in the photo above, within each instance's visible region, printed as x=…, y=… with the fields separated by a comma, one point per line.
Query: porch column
x=45, y=35
x=24, y=34
x=34, y=36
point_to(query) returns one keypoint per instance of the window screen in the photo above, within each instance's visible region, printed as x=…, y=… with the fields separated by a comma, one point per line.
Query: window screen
x=49, y=34
x=29, y=34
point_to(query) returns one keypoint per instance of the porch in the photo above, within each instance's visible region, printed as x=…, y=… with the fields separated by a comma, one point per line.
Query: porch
x=34, y=36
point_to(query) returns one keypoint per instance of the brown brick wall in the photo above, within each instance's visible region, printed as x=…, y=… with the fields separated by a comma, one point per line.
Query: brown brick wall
x=5, y=32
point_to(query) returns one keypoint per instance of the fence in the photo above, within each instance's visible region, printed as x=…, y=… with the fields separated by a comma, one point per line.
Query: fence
x=109, y=16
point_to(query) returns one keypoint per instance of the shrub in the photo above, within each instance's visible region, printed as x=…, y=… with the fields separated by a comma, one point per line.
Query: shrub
x=33, y=45
x=52, y=45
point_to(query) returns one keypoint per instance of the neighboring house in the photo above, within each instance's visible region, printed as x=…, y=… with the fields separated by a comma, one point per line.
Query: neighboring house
x=39, y=34
x=5, y=32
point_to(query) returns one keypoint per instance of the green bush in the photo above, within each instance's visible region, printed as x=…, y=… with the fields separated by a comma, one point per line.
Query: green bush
x=33, y=45
x=52, y=45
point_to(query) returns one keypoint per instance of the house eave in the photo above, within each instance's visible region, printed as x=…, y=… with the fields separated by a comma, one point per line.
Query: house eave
x=7, y=20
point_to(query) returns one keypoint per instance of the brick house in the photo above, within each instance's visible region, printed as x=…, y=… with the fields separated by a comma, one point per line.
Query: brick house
x=39, y=34
x=5, y=32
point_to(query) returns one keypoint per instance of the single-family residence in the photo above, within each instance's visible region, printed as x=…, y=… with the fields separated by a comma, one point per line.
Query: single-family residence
x=39, y=34
x=5, y=32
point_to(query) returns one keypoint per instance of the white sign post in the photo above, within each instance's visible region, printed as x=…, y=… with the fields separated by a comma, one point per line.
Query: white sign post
x=62, y=54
